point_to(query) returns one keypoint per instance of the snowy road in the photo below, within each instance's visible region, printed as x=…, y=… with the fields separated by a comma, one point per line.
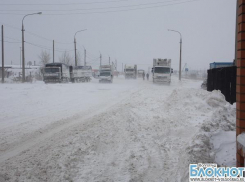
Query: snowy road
x=131, y=130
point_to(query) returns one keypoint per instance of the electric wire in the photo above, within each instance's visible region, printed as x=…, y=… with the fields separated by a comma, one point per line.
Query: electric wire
x=113, y=11
x=100, y=8
x=64, y=4
x=11, y=42
x=36, y=35
x=44, y=47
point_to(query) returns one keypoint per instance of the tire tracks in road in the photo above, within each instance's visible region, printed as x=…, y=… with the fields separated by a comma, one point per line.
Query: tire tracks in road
x=59, y=126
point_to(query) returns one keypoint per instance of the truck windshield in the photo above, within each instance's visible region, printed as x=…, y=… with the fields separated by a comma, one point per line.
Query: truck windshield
x=51, y=70
x=161, y=70
x=129, y=70
x=105, y=73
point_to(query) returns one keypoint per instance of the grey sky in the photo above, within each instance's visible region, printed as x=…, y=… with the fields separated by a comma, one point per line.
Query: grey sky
x=132, y=37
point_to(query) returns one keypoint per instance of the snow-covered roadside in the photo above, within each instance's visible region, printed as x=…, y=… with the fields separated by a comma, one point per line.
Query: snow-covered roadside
x=215, y=141
x=150, y=135
x=241, y=141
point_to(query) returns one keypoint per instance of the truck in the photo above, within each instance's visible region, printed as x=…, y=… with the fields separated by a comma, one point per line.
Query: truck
x=130, y=72
x=56, y=73
x=81, y=73
x=106, y=73
x=140, y=73
x=161, y=71
x=220, y=64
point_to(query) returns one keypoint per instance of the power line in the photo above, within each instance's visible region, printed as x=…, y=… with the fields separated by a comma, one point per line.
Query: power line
x=64, y=4
x=114, y=11
x=44, y=47
x=101, y=8
x=58, y=42
x=48, y=39
x=11, y=42
x=126, y=10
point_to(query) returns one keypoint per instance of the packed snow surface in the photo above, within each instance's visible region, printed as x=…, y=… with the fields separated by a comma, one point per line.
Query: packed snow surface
x=130, y=130
x=241, y=141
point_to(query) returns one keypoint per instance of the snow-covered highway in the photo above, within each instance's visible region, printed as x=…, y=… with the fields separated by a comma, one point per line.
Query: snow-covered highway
x=131, y=130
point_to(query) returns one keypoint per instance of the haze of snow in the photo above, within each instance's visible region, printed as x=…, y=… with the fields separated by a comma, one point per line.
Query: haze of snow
x=131, y=130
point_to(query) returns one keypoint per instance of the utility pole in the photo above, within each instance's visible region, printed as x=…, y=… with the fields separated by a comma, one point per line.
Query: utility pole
x=23, y=53
x=116, y=64
x=122, y=67
x=75, y=46
x=180, y=58
x=109, y=60
x=53, y=51
x=23, y=45
x=20, y=57
x=100, y=59
x=2, y=56
x=84, y=57
x=180, y=52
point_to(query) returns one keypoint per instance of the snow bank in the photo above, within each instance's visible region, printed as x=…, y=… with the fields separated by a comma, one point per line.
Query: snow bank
x=221, y=119
x=214, y=118
x=215, y=141
x=241, y=141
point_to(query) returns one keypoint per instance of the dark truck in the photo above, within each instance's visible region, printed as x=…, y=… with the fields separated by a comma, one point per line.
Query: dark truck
x=56, y=73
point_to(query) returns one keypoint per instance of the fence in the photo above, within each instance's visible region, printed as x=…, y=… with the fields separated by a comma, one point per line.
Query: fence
x=223, y=79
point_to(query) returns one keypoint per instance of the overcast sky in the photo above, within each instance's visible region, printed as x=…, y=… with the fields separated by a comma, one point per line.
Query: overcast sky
x=131, y=31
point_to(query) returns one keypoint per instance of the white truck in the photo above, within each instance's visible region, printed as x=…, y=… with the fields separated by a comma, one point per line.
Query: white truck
x=106, y=73
x=130, y=72
x=140, y=73
x=81, y=73
x=161, y=71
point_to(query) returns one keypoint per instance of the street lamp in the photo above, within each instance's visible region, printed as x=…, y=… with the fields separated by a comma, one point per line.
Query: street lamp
x=75, y=45
x=23, y=45
x=180, y=51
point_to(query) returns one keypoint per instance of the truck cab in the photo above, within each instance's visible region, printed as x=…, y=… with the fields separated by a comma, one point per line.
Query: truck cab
x=141, y=73
x=56, y=73
x=130, y=72
x=161, y=70
x=106, y=73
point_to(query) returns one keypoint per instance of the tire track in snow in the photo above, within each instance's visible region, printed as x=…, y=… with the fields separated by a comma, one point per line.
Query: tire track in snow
x=59, y=126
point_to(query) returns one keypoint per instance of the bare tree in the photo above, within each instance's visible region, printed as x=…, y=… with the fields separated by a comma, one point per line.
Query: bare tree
x=66, y=58
x=29, y=64
x=44, y=57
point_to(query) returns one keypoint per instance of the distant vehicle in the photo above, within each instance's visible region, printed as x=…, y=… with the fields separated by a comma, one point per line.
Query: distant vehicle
x=140, y=73
x=130, y=72
x=106, y=73
x=56, y=73
x=220, y=64
x=161, y=71
x=81, y=73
